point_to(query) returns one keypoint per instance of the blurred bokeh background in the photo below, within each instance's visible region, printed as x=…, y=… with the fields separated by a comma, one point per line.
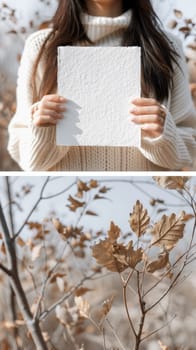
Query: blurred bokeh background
x=19, y=19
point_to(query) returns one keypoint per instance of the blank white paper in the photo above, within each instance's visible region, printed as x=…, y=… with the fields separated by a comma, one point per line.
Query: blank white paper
x=98, y=83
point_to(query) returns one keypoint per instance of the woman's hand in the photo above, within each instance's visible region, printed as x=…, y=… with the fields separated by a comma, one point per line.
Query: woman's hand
x=48, y=111
x=148, y=113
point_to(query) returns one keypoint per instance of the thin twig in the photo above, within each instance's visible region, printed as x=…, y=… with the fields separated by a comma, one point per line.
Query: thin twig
x=125, y=284
x=114, y=333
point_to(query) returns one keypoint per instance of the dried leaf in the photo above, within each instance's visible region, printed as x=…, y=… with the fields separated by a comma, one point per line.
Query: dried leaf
x=178, y=13
x=139, y=219
x=82, y=186
x=91, y=213
x=188, y=217
x=115, y=256
x=104, y=189
x=75, y=204
x=127, y=256
x=20, y=242
x=167, y=232
x=171, y=182
x=163, y=347
x=107, y=305
x=160, y=263
x=185, y=29
x=60, y=283
x=81, y=291
x=56, y=275
x=93, y=184
x=58, y=225
x=192, y=46
x=61, y=314
x=36, y=252
x=113, y=232
x=44, y=25
x=97, y=196
x=172, y=24
x=83, y=306
x=3, y=248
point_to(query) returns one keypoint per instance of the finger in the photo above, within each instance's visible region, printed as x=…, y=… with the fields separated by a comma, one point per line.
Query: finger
x=142, y=110
x=44, y=120
x=145, y=101
x=56, y=106
x=145, y=119
x=150, y=134
x=52, y=113
x=54, y=98
x=154, y=128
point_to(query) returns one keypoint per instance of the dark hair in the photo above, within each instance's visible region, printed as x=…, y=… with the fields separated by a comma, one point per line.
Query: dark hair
x=144, y=30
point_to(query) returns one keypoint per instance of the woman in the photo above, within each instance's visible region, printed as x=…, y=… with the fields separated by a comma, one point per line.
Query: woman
x=165, y=111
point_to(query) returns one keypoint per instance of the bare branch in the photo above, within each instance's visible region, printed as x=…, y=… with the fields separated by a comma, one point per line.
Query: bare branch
x=33, y=208
x=4, y=269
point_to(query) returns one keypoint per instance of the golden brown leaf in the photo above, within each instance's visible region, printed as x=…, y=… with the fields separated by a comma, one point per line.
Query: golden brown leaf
x=93, y=184
x=167, y=232
x=188, y=217
x=171, y=182
x=184, y=29
x=162, y=346
x=44, y=25
x=61, y=314
x=104, y=189
x=113, y=232
x=103, y=253
x=83, y=306
x=36, y=252
x=3, y=248
x=81, y=291
x=172, y=24
x=178, y=13
x=82, y=186
x=160, y=263
x=74, y=204
x=139, y=219
x=20, y=242
x=58, y=225
x=115, y=256
x=56, y=275
x=91, y=213
x=107, y=305
x=60, y=284
x=127, y=256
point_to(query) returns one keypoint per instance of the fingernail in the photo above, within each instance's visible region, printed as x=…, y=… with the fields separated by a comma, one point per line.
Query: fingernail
x=132, y=108
x=62, y=99
x=145, y=127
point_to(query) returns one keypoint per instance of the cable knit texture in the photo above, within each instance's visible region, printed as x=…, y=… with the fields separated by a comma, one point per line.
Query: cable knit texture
x=34, y=148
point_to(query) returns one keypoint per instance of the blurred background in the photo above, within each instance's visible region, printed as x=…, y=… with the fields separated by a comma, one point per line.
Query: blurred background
x=19, y=19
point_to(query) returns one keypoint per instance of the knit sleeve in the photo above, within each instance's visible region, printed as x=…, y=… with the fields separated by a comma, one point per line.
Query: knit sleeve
x=176, y=147
x=33, y=148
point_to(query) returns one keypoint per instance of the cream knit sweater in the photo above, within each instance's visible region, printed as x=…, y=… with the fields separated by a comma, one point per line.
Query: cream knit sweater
x=34, y=148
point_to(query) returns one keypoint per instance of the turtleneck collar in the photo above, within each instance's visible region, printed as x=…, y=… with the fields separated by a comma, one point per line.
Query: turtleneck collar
x=99, y=27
